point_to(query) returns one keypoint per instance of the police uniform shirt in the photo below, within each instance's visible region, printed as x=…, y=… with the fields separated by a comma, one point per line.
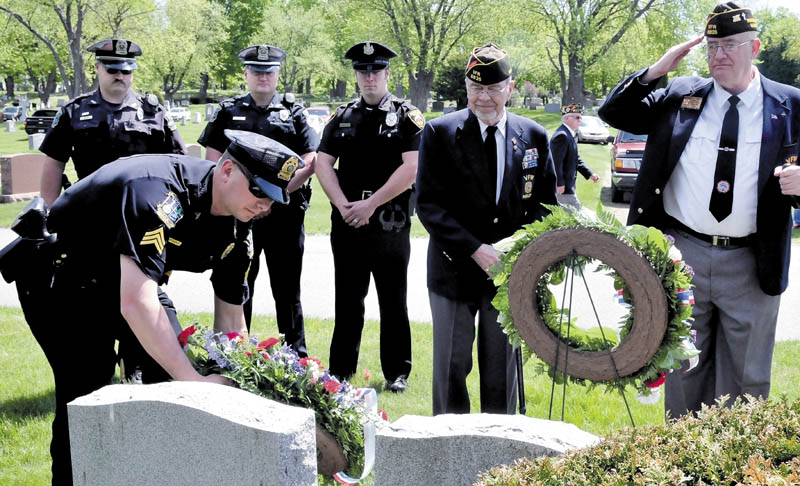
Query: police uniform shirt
x=156, y=210
x=281, y=121
x=94, y=132
x=369, y=142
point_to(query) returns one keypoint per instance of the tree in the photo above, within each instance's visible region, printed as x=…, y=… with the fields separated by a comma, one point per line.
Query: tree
x=583, y=31
x=449, y=84
x=780, y=49
x=426, y=32
x=244, y=19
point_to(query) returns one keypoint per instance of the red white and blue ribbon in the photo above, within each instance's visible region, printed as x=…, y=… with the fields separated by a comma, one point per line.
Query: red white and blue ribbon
x=686, y=296
x=371, y=403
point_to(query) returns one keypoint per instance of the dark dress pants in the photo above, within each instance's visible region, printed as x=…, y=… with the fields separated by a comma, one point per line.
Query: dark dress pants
x=453, y=335
x=80, y=349
x=357, y=254
x=281, y=236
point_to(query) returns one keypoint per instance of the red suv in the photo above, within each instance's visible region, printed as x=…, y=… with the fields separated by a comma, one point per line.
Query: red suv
x=626, y=157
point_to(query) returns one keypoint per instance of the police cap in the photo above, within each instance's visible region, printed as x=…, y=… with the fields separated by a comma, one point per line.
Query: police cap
x=369, y=56
x=488, y=64
x=729, y=19
x=262, y=58
x=271, y=164
x=116, y=53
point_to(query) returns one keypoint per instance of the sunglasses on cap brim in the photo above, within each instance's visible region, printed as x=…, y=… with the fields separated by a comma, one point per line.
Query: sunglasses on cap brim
x=115, y=70
x=253, y=186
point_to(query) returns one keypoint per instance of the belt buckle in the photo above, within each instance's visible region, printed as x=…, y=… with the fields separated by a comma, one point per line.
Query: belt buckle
x=722, y=241
x=365, y=194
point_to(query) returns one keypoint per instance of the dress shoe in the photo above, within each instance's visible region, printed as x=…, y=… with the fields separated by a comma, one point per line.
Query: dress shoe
x=399, y=384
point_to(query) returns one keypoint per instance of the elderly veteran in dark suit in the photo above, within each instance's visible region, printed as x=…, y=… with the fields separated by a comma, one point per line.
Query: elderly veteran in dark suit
x=483, y=173
x=712, y=177
x=566, y=158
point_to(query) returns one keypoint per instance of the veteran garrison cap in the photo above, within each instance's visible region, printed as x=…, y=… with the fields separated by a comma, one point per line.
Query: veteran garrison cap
x=271, y=163
x=573, y=108
x=729, y=19
x=488, y=64
x=369, y=56
x=116, y=53
x=262, y=58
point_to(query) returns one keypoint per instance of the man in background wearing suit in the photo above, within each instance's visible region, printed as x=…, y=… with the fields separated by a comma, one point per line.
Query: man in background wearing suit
x=483, y=173
x=712, y=176
x=566, y=159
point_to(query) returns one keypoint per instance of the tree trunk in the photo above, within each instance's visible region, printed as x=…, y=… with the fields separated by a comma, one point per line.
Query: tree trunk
x=420, y=89
x=203, y=87
x=10, y=86
x=575, y=82
x=48, y=88
x=341, y=89
x=308, y=86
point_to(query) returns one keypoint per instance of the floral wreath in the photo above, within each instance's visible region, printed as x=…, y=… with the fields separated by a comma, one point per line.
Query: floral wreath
x=273, y=370
x=656, y=248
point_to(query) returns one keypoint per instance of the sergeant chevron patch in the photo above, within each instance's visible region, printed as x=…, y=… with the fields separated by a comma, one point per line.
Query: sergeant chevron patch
x=155, y=238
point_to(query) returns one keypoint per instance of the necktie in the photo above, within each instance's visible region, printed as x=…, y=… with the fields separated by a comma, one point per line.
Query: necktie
x=490, y=150
x=722, y=193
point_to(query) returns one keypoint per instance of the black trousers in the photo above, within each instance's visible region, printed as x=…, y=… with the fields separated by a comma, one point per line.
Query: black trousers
x=80, y=350
x=281, y=237
x=357, y=254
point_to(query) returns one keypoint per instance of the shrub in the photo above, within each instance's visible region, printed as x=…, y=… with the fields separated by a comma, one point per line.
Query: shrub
x=755, y=442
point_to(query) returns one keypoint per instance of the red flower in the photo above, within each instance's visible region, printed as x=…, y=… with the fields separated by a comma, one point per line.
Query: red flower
x=305, y=361
x=233, y=335
x=183, y=337
x=267, y=343
x=657, y=382
x=383, y=415
x=333, y=386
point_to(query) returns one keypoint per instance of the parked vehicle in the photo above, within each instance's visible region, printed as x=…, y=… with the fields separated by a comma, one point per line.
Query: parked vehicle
x=11, y=113
x=40, y=121
x=316, y=122
x=179, y=113
x=626, y=158
x=593, y=130
x=324, y=112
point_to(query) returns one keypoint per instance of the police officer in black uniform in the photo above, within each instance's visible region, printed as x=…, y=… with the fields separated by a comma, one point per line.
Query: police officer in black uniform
x=110, y=122
x=375, y=139
x=281, y=234
x=120, y=233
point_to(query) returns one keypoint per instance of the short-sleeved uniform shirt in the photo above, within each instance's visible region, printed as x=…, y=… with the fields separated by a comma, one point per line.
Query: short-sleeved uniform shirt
x=283, y=121
x=156, y=210
x=94, y=132
x=369, y=142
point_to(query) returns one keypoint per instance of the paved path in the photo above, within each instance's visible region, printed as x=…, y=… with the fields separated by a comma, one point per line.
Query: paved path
x=193, y=293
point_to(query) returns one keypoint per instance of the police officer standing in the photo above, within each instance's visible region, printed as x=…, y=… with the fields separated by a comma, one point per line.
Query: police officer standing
x=281, y=234
x=110, y=122
x=375, y=139
x=120, y=233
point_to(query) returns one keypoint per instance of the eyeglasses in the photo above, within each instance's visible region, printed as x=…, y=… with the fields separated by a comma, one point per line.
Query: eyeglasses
x=115, y=71
x=254, y=188
x=727, y=48
x=493, y=90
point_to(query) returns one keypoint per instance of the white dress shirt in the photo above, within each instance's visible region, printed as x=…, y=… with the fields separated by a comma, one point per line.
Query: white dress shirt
x=500, y=138
x=688, y=192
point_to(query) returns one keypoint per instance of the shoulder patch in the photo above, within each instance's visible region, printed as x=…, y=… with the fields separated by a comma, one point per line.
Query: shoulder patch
x=170, y=210
x=417, y=117
x=57, y=117
x=154, y=237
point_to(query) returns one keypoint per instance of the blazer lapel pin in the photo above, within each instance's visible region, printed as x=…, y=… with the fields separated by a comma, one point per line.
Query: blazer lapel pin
x=691, y=102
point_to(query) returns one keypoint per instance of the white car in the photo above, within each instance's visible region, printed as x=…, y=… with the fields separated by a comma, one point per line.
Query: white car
x=592, y=129
x=316, y=122
x=180, y=113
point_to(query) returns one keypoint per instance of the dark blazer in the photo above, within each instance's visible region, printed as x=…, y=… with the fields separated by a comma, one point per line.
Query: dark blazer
x=641, y=109
x=566, y=159
x=456, y=196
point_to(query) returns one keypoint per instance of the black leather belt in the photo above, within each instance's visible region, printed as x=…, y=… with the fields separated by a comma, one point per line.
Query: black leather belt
x=715, y=240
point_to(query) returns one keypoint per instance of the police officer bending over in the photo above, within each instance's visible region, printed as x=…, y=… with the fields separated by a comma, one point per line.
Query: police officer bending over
x=375, y=139
x=110, y=122
x=281, y=235
x=120, y=233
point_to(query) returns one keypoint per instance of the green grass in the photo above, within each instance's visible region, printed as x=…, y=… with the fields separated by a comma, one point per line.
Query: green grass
x=27, y=402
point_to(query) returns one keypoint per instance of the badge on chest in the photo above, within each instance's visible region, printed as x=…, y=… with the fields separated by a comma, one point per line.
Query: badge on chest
x=531, y=159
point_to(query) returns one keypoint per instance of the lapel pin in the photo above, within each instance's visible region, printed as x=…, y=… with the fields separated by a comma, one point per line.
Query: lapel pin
x=691, y=102
x=774, y=117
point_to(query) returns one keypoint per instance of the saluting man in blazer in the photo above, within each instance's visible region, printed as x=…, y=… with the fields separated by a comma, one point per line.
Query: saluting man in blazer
x=483, y=173
x=712, y=176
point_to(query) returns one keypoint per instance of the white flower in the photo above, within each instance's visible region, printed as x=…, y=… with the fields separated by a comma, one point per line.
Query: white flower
x=675, y=254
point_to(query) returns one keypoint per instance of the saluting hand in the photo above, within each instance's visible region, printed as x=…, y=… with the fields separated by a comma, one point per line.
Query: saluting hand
x=670, y=60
